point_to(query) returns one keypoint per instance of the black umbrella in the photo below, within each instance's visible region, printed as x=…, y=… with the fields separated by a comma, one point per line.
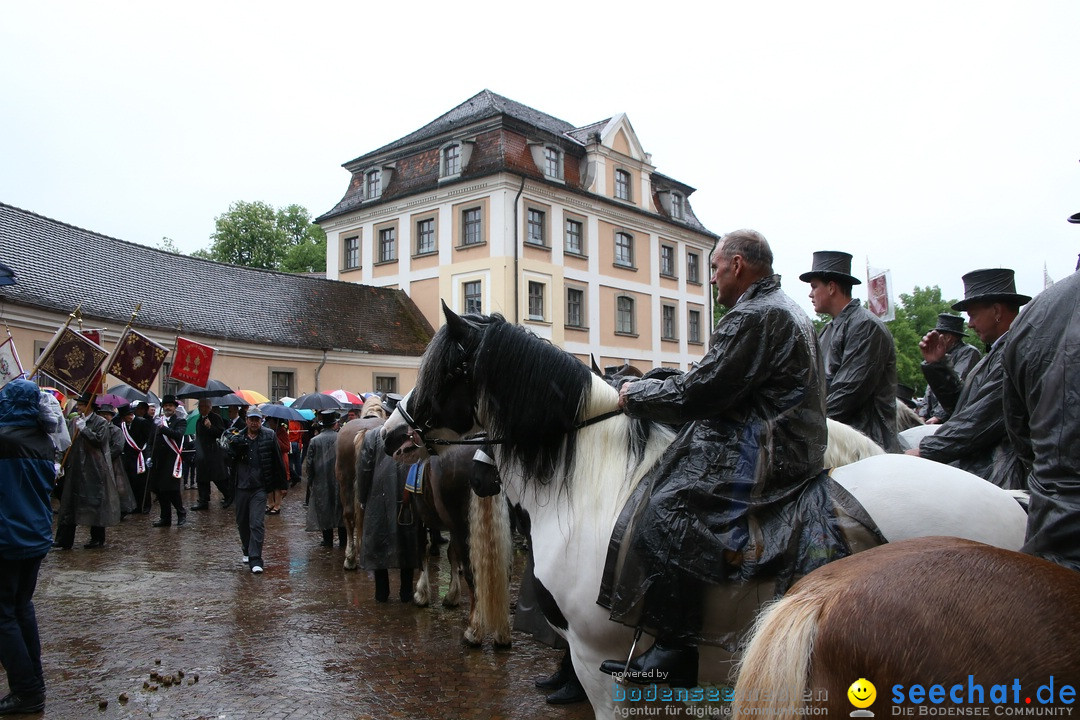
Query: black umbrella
x=317, y=402
x=281, y=412
x=132, y=394
x=214, y=388
x=230, y=399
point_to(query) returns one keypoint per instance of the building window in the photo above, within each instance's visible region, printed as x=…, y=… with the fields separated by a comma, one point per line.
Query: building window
x=168, y=385
x=624, y=249
x=552, y=163
x=281, y=385
x=373, y=184
x=536, y=301
x=352, y=252
x=472, y=302
x=575, y=235
x=667, y=260
x=451, y=160
x=624, y=315
x=622, y=185
x=693, y=326
x=387, y=245
x=575, y=307
x=425, y=236
x=472, y=224
x=667, y=322
x=386, y=383
x=693, y=268
x=676, y=206
x=535, y=234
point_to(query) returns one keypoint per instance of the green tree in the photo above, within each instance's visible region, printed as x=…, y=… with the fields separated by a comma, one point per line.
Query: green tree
x=916, y=315
x=307, y=242
x=248, y=234
x=168, y=245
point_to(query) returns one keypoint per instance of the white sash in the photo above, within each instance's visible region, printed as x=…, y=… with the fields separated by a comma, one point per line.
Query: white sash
x=178, y=466
x=140, y=463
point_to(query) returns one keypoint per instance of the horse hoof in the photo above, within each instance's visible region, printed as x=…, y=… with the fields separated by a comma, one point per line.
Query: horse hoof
x=502, y=644
x=450, y=602
x=469, y=640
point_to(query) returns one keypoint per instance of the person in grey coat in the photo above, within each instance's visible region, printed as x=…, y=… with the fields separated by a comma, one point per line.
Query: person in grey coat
x=961, y=356
x=974, y=437
x=89, y=496
x=116, y=456
x=1042, y=417
x=320, y=476
x=391, y=537
x=858, y=352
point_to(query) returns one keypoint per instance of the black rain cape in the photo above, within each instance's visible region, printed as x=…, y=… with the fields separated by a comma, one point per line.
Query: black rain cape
x=722, y=509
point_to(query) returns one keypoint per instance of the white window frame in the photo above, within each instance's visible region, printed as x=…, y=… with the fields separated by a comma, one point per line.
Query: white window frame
x=466, y=296
x=373, y=184
x=667, y=260
x=631, y=311
x=629, y=249
x=347, y=252
x=478, y=224
x=669, y=324
x=624, y=185
x=581, y=309
x=387, y=238
x=537, y=300
x=693, y=326
x=580, y=236
x=693, y=268
x=421, y=233
x=536, y=227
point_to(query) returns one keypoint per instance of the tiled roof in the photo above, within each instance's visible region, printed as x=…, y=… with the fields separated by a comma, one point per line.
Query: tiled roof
x=58, y=266
x=485, y=104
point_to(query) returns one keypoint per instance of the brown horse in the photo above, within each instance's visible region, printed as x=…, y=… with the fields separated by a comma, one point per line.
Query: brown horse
x=929, y=621
x=480, y=546
x=349, y=439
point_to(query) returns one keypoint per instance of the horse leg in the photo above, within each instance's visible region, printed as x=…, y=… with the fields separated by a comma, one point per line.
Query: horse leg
x=428, y=584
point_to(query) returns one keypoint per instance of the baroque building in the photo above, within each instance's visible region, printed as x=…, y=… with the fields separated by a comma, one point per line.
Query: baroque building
x=570, y=231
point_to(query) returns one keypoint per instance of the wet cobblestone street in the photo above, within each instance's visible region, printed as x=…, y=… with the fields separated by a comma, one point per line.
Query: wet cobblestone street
x=306, y=639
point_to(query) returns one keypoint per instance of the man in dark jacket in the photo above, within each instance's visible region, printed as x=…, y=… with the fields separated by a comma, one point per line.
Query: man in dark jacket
x=858, y=352
x=209, y=457
x=259, y=470
x=754, y=437
x=166, y=470
x=1042, y=416
x=959, y=354
x=974, y=437
x=26, y=478
x=138, y=432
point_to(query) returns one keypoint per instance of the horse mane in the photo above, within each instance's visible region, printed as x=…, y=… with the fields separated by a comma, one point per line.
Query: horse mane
x=530, y=395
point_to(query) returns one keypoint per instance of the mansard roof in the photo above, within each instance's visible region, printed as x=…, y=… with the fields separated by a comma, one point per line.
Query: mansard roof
x=59, y=266
x=498, y=146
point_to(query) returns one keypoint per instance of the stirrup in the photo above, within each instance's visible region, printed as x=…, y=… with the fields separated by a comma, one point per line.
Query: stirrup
x=633, y=647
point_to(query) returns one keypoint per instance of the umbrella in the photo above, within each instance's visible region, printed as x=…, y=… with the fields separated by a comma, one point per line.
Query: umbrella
x=110, y=399
x=345, y=397
x=309, y=415
x=132, y=394
x=252, y=397
x=214, y=388
x=317, y=401
x=280, y=411
x=230, y=399
x=192, y=423
x=58, y=394
x=287, y=401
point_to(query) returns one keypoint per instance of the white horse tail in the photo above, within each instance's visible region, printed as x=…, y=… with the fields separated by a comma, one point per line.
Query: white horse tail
x=848, y=445
x=772, y=675
x=490, y=555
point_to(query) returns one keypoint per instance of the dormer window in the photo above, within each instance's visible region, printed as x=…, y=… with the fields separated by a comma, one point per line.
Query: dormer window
x=676, y=206
x=451, y=160
x=372, y=184
x=622, y=185
x=552, y=163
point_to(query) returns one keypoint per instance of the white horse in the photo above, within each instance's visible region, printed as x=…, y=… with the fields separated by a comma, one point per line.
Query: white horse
x=517, y=393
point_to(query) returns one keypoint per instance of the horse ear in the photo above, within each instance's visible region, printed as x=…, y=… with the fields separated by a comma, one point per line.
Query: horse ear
x=595, y=368
x=454, y=324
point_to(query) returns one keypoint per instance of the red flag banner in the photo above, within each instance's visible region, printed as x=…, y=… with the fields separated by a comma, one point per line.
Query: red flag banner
x=137, y=360
x=879, y=293
x=191, y=363
x=10, y=367
x=92, y=335
x=73, y=360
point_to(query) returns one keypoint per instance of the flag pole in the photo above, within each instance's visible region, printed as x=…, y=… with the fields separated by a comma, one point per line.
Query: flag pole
x=55, y=339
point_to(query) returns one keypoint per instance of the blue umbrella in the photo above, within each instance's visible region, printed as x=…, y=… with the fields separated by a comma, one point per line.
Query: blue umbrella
x=281, y=412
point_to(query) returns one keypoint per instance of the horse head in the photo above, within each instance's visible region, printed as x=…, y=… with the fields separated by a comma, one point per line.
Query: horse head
x=442, y=405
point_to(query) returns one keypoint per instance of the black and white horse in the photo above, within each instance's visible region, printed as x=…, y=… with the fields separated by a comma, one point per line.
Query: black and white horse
x=571, y=460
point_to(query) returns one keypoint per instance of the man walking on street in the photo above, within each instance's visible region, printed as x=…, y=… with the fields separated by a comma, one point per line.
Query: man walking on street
x=259, y=470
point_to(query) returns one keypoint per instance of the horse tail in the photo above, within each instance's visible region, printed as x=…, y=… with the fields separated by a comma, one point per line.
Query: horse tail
x=772, y=675
x=490, y=556
x=847, y=445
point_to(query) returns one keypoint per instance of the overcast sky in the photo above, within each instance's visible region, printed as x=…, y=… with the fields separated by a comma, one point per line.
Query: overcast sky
x=931, y=138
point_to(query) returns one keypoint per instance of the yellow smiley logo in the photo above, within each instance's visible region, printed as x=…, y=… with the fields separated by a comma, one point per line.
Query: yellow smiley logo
x=862, y=693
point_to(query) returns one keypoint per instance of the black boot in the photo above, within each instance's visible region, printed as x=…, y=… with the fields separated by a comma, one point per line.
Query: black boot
x=405, y=592
x=342, y=537
x=382, y=585
x=673, y=664
x=568, y=694
x=558, y=678
x=327, y=538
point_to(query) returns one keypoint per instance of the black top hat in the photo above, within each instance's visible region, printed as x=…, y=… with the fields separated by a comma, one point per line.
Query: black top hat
x=990, y=286
x=125, y=410
x=905, y=394
x=831, y=265
x=391, y=401
x=169, y=400
x=106, y=410
x=951, y=324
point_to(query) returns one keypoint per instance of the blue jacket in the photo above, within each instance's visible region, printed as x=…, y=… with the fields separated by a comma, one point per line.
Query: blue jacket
x=26, y=474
